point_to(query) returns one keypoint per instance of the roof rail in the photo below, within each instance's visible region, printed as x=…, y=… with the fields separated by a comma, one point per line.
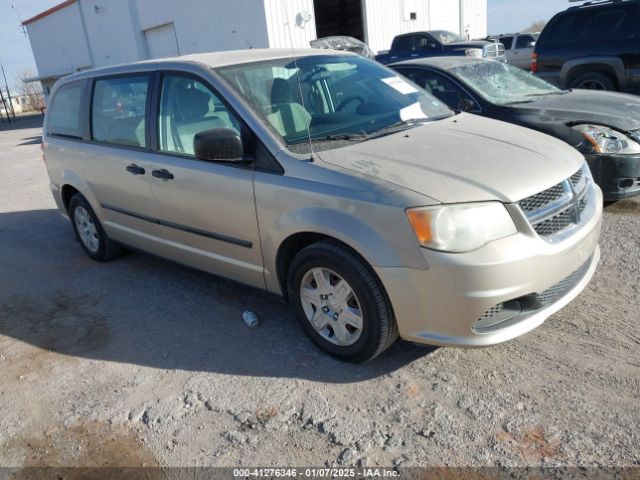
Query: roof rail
x=594, y=3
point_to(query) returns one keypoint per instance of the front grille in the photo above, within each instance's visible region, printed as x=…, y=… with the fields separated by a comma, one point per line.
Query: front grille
x=557, y=208
x=563, y=287
x=542, y=199
x=577, y=177
x=560, y=221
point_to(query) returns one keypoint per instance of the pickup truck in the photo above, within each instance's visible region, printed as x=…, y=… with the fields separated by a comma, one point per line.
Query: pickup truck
x=438, y=43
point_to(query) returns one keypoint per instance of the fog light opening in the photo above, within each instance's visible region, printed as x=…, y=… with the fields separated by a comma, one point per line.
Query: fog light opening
x=626, y=183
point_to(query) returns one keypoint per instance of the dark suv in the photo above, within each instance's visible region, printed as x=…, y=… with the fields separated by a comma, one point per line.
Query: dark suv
x=595, y=45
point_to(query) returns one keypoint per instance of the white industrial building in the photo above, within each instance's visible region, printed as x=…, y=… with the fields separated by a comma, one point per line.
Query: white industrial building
x=81, y=34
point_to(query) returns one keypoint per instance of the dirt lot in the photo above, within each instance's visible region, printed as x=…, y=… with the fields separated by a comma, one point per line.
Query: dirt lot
x=142, y=362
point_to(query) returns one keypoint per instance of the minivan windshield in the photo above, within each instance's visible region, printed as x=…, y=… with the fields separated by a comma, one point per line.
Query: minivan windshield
x=331, y=98
x=503, y=84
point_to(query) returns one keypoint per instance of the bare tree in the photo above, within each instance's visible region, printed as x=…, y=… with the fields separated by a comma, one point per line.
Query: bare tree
x=536, y=26
x=31, y=90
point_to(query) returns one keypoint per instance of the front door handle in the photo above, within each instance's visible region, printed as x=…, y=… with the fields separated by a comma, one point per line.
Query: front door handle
x=163, y=174
x=135, y=169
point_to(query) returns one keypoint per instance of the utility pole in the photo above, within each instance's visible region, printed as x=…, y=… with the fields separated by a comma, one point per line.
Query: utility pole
x=6, y=110
x=6, y=86
x=22, y=27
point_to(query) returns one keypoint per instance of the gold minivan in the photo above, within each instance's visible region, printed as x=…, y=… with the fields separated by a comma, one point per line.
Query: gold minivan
x=328, y=179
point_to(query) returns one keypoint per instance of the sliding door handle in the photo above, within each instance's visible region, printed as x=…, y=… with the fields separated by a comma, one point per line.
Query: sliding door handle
x=135, y=169
x=163, y=174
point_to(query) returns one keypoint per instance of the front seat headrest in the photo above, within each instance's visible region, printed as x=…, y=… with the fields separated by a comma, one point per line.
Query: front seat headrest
x=281, y=91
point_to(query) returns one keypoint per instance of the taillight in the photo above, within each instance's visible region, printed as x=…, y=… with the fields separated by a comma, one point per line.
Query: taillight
x=534, y=63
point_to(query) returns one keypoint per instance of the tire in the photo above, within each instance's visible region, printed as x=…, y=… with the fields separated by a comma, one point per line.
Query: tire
x=593, y=81
x=330, y=262
x=89, y=232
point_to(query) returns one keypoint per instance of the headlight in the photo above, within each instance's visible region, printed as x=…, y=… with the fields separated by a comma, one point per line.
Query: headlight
x=461, y=228
x=607, y=140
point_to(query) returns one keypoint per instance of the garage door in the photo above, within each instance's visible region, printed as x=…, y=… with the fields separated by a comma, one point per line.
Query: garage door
x=162, y=41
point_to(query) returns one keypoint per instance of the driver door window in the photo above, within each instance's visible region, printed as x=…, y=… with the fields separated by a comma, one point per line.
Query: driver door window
x=188, y=107
x=440, y=87
x=524, y=41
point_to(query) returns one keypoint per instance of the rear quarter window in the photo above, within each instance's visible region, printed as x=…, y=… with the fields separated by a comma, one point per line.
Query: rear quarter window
x=64, y=111
x=588, y=25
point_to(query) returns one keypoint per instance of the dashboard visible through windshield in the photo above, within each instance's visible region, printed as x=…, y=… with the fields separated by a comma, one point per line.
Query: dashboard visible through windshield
x=327, y=98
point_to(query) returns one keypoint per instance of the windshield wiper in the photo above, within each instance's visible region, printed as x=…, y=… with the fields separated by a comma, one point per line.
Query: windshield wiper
x=402, y=125
x=561, y=92
x=516, y=102
x=340, y=137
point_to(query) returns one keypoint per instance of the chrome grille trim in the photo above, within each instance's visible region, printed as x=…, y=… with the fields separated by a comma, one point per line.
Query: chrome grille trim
x=494, y=50
x=557, y=208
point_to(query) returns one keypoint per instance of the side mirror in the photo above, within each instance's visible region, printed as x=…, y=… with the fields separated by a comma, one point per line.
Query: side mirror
x=219, y=145
x=466, y=104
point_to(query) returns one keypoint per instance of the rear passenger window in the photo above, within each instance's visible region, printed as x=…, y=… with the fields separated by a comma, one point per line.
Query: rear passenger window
x=607, y=24
x=64, y=111
x=118, y=111
x=188, y=107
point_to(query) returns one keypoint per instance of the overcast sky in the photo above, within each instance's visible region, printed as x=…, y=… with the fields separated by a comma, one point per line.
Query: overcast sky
x=15, y=50
x=505, y=16
x=509, y=16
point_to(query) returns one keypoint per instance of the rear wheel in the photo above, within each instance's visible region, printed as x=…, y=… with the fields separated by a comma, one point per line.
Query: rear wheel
x=593, y=81
x=340, y=302
x=89, y=231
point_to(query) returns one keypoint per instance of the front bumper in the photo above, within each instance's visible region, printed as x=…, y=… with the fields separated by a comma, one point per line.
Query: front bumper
x=617, y=175
x=444, y=305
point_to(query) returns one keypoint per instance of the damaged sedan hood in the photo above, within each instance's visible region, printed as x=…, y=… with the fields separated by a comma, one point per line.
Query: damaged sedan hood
x=617, y=110
x=463, y=159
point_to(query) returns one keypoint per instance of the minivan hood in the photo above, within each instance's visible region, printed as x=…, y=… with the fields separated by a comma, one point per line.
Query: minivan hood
x=617, y=110
x=465, y=158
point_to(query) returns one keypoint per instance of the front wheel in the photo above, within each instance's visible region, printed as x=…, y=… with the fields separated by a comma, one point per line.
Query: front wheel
x=89, y=231
x=340, y=302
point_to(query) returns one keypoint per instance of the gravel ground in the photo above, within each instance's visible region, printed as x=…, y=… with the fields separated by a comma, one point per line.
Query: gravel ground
x=142, y=362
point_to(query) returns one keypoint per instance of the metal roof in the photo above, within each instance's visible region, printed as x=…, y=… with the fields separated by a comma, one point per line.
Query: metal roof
x=211, y=59
x=49, y=11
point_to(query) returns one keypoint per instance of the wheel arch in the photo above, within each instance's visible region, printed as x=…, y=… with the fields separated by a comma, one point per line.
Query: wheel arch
x=70, y=184
x=611, y=66
x=295, y=243
x=298, y=229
